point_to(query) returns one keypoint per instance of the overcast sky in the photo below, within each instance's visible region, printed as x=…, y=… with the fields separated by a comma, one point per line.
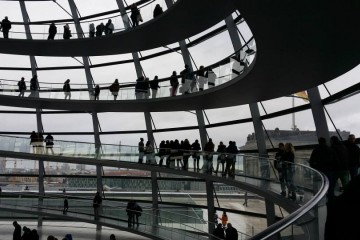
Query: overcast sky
x=344, y=114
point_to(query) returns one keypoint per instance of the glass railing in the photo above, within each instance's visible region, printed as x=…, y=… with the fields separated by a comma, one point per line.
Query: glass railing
x=306, y=183
x=224, y=70
x=169, y=223
x=42, y=28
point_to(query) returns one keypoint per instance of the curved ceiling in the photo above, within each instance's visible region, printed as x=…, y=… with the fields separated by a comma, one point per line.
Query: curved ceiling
x=184, y=19
x=299, y=46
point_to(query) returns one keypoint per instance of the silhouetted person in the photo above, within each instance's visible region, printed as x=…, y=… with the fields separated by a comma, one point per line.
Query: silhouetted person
x=66, y=205
x=342, y=212
x=154, y=85
x=324, y=159
x=91, y=30
x=231, y=232
x=5, y=27
x=109, y=27
x=138, y=211
x=221, y=150
x=97, y=92
x=130, y=210
x=341, y=151
x=195, y=147
x=186, y=80
x=146, y=88
x=157, y=10
x=201, y=78
x=96, y=205
x=174, y=83
x=112, y=237
x=219, y=231
x=279, y=164
x=100, y=29
x=27, y=233
x=22, y=87
x=67, y=32
x=139, y=88
x=17, y=231
x=33, y=140
x=135, y=15
x=209, y=151
x=162, y=152
x=67, y=89
x=49, y=143
x=354, y=155
x=52, y=31
x=34, y=84
x=114, y=88
x=141, y=149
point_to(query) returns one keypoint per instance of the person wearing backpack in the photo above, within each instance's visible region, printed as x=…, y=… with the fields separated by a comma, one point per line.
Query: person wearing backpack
x=22, y=87
x=67, y=89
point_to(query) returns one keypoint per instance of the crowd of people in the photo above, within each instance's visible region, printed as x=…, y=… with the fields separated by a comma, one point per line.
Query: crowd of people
x=175, y=152
x=97, y=31
x=337, y=161
x=144, y=87
x=26, y=233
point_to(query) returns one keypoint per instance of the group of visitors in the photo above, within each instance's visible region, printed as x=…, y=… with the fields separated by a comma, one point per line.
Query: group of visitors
x=107, y=29
x=37, y=140
x=224, y=230
x=190, y=83
x=27, y=234
x=337, y=161
x=133, y=210
x=284, y=164
x=143, y=86
x=179, y=152
x=34, y=86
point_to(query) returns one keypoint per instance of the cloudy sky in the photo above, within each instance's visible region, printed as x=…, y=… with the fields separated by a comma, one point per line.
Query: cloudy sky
x=344, y=114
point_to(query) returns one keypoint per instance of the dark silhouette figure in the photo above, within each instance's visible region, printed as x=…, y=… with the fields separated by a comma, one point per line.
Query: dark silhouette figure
x=17, y=231
x=219, y=231
x=323, y=159
x=279, y=164
x=52, y=31
x=138, y=211
x=96, y=205
x=130, y=212
x=109, y=27
x=67, y=89
x=5, y=27
x=221, y=150
x=157, y=10
x=96, y=92
x=342, y=171
x=22, y=87
x=27, y=233
x=141, y=148
x=112, y=237
x=341, y=212
x=231, y=232
x=114, y=88
x=154, y=85
x=49, y=143
x=91, y=30
x=354, y=156
x=100, y=29
x=174, y=83
x=67, y=32
x=135, y=15
x=34, y=84
x=66, y=205
x=195, y=147
x=162, y=152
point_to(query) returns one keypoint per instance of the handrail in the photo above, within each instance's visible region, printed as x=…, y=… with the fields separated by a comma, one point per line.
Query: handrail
x=294, y=215
x=125, y=87
x=86, y=19
x=87, y=201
